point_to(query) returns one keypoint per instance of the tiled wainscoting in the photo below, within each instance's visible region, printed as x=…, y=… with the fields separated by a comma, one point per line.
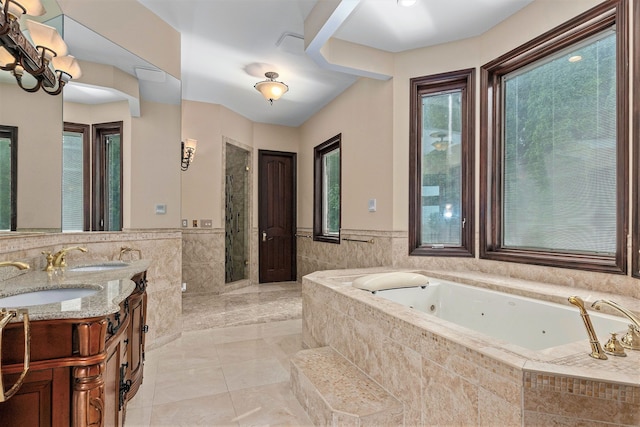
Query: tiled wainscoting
x=163, y=247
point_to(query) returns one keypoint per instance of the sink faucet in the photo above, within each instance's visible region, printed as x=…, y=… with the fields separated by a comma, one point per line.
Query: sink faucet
x=126, y=249
x=59, y=257
x=632, y=338
x=596, y=349
x=17, y=264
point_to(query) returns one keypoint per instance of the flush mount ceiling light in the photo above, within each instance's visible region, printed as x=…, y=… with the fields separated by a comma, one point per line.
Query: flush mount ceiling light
x=270, y=88
x=406, y=3
x=40, y=52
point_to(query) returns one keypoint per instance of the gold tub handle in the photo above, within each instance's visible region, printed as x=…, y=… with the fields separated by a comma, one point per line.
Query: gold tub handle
x=6, y=316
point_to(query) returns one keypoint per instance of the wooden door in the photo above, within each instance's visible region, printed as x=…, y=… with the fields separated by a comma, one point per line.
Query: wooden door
x=277, y=216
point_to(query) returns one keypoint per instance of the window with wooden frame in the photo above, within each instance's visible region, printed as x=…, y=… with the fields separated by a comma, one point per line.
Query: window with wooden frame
x=327, y=194
x=554, y=146
x=441, y=168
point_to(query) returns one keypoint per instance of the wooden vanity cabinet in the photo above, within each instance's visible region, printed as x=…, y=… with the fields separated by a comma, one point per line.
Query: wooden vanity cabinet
x=82, y=371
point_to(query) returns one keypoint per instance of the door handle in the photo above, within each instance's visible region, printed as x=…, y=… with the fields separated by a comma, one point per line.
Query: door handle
x=264, y=236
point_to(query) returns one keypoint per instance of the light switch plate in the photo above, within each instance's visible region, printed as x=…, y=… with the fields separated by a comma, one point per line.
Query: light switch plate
x=161, y=209
x=185, y=222
x=372, y=205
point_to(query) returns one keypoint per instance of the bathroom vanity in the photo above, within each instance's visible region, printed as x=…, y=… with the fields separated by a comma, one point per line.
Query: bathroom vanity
x=87, y=354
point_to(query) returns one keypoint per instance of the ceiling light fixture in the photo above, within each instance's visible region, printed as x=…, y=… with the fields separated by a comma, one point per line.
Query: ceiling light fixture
x=43, y=54
x=188, y=152
x=270, y=88
x=406, y=3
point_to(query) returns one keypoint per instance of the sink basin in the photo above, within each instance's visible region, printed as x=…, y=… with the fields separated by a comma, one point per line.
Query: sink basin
x=45, y=297
x=99, y=267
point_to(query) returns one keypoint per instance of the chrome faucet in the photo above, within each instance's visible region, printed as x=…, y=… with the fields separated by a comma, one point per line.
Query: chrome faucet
x=59, y=258
x=631, y=340
x=17, y=264
x=596, y=349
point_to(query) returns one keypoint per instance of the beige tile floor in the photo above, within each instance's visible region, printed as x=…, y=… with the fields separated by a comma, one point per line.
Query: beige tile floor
x=222, y=376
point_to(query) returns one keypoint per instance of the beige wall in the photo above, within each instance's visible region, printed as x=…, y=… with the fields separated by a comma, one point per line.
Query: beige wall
x=212, y=125
x=121, y=23
x=154, y=171
x=363, y=115
x=38, y=118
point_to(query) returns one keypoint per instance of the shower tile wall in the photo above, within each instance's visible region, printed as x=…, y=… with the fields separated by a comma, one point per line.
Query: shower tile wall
x=236, y=203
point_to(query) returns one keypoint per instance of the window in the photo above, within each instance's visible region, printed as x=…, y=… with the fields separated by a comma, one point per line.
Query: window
x=555, y=146
x=92, y=177
x=107, y=176
x=441, y=190
x=75, y=177
x=327, y=196
x=8, y=177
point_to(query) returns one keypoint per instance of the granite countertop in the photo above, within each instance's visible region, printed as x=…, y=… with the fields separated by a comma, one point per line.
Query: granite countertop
x=113, y=286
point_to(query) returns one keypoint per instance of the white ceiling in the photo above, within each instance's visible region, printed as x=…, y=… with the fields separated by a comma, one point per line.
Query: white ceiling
x=228, y=45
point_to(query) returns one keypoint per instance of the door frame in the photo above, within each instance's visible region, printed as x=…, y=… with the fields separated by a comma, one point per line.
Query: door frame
x=294, y=220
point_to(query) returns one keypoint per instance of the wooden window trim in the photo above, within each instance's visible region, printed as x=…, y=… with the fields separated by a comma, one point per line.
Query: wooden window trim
x=318, y=152
x=98, y=167
x=463, y=80
x=595, y=20
x=635, y=244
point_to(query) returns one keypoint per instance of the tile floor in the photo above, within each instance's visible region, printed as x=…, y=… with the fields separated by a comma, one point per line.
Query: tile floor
x=226, y=375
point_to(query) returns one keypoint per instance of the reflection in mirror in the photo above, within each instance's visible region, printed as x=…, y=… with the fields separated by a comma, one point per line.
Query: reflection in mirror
x=8, y=164
x=113, y=84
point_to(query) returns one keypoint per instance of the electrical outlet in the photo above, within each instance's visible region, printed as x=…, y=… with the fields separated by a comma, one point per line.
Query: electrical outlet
x=206, y=223
x=185, y=222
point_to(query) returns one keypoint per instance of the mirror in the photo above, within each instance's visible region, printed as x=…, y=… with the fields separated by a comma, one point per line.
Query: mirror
x=113, y=86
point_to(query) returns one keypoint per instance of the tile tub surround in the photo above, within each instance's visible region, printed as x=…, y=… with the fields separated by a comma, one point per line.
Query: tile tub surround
x=162, y=247
x=447, y=374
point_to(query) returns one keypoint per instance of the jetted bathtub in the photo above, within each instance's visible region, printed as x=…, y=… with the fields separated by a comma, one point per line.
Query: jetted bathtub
x=526, y=322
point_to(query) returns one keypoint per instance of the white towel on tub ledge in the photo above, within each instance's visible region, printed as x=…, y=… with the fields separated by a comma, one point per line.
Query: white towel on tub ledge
x=392, y=280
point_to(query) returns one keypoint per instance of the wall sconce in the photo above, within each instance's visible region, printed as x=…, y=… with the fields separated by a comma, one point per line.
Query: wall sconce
x=43, y=54
x=270, y=88
x=188, y=152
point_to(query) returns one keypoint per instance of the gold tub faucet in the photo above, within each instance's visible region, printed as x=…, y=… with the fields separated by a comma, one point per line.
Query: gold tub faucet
x=596, y=349
x=631, y=339
x=17, y=264
x=59, y=258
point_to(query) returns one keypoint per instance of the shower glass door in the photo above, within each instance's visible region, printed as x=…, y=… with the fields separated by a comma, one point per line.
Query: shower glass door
x=236, y=214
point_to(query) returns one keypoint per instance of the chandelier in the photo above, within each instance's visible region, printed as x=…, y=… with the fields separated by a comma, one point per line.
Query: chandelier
x=271, y=89
x=42, y=54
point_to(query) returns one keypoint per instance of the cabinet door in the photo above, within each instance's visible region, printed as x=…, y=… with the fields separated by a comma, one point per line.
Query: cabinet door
x=114, y=376
x=42, y=401
x=136, y=341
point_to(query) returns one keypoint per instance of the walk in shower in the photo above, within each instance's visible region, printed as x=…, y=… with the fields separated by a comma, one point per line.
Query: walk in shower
x=236, y=213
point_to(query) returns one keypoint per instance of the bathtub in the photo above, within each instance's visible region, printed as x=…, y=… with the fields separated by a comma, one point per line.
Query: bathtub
x=472, y=348
x=526, y=322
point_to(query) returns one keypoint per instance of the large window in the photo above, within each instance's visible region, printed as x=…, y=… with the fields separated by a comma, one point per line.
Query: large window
x=555, y=147
x=441, y=165
x=327, y=196
x=8, y=177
